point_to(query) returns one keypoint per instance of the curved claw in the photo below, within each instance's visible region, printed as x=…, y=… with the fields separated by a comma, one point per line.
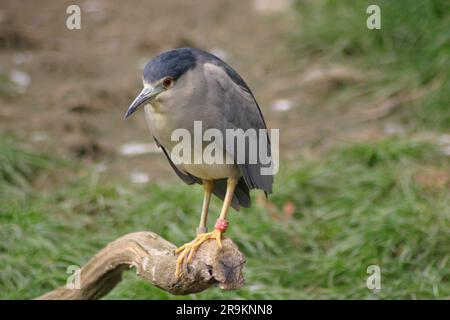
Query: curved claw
x=189, y=249
x=180, y=261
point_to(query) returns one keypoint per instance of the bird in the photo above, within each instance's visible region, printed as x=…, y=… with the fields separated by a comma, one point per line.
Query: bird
x=185, y=86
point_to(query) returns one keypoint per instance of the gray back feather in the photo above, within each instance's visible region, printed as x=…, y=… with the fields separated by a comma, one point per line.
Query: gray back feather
x=239, y=110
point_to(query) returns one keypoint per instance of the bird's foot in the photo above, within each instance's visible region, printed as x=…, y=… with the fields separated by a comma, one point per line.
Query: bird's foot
x=187, y=251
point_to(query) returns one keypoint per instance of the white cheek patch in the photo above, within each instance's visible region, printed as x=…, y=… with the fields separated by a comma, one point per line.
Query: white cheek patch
x=147, y=85
x=164, y=96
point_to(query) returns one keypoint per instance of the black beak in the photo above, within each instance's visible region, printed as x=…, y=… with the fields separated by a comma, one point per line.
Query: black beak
x=145, y=95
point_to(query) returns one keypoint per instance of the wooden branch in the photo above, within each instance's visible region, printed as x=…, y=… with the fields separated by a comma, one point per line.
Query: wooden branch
x=154, y=260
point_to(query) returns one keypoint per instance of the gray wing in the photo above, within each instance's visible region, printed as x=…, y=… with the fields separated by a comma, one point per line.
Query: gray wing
x=186, y=177
x=239, y=110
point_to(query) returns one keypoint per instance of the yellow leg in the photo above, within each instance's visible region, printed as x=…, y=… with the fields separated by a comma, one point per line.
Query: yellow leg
x=187, y=251
x=231, y=185
x=208, y=186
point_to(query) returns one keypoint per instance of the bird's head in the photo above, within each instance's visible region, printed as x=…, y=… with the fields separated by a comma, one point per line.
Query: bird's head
x=161, y=76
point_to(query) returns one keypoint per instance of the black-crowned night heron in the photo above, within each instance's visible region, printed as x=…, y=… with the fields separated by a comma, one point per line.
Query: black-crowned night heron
x=185, y=87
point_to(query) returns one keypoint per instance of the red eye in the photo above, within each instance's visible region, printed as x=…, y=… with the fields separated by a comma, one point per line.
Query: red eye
x=167, y=82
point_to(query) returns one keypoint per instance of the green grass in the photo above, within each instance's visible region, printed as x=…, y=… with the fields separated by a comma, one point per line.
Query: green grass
x=356, y=206
x=18, y=166
x=410, y=52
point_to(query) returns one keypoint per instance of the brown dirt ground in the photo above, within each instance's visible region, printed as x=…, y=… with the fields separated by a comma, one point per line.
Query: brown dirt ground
x=82, y=81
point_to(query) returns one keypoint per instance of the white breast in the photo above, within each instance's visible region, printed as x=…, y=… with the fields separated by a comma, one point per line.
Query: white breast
x=222, y=168
x=161, y=129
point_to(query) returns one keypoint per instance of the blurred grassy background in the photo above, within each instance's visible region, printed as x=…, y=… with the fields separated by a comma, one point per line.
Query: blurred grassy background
x=359, y=205
x=410, y=51
x=383, y=202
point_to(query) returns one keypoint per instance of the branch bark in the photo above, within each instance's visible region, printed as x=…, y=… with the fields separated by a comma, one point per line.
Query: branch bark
x=154, y=260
